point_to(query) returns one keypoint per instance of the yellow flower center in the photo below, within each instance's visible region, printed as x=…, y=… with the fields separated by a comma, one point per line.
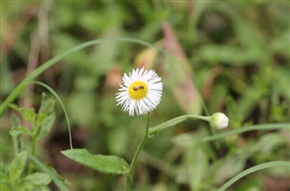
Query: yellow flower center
x=138, y=90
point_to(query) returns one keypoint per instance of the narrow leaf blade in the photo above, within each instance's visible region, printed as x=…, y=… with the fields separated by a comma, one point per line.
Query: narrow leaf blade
x=106, y=164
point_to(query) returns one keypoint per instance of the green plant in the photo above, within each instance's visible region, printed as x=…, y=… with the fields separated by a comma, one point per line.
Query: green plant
x=26, y=171
x=228, y=56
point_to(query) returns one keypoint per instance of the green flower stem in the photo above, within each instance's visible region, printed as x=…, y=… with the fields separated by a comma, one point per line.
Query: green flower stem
x=16, y=145
x=32, y=152
x=152, y=131
x=129, y=180
x=205, y=118
x=175, y=121
x=34, y=144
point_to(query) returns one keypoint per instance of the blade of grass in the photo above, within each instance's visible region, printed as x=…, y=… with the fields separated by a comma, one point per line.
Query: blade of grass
x=249, y=128
x=18, y=89
x=254, y=169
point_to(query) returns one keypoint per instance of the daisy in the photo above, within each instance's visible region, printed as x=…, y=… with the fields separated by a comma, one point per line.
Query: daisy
x=140, y=92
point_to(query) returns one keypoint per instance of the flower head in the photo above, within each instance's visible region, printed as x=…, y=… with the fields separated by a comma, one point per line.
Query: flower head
x=140, y=92
x=219, y=120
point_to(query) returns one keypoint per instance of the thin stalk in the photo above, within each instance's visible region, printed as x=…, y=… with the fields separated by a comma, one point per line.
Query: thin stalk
x=62, y=106
x=35, y=73
x=205, y=118
x=34, y=141
x=175, y=121
x=32, y=153
x=129, y=178
x=284, y=164
x=16, y=145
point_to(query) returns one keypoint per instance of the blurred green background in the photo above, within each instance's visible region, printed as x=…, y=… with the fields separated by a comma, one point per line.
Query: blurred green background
x=227, y=56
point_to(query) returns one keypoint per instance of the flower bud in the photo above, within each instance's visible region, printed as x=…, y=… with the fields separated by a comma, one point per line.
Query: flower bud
x=219, y=120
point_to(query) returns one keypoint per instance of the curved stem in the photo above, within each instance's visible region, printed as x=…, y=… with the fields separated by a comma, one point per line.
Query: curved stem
x=62, y=106
x=176, y=121
x=285, y=164
x=17, y=90
x=129, y=179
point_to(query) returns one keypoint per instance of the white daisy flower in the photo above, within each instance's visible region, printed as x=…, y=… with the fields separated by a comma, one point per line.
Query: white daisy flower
x=140, y=92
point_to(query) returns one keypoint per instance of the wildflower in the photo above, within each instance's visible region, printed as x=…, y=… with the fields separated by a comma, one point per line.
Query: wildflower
x=219, y=120
x=140, y=91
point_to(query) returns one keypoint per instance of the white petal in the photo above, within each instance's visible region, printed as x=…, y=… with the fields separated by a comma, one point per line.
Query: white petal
x=146, y=104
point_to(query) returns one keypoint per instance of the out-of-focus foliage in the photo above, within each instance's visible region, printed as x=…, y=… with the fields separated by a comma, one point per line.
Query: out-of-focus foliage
x=20, y=173
x=233, y=55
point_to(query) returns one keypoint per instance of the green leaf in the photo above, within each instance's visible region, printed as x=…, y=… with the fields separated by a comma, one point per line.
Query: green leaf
x=46, y=127
x=41, y=118
x=4, y=187
x=38, y=179
x=28, y=114
x=46, y=115
x=58, y=181
x=106, y=164
x=15, y=121
x=19, y=130
x=61, y=104
x=17, y=166
x=4, y=182
x=47, y=104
